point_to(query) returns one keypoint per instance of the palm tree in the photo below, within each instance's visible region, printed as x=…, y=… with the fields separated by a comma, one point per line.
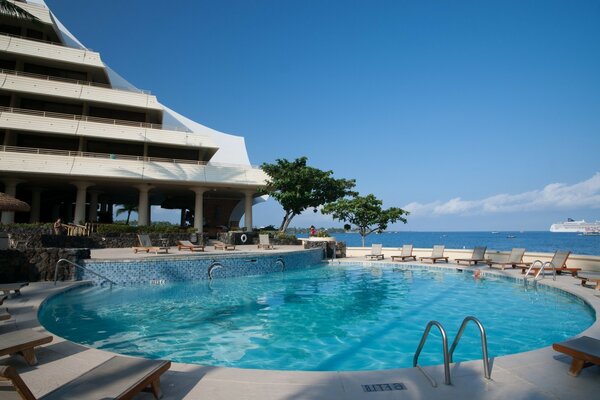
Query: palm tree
x=13, y=10
x=128, y=208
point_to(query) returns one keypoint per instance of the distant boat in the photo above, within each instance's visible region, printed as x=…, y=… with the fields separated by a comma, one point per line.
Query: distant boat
x=510, y=236
x=571, y=225
x=495, y=232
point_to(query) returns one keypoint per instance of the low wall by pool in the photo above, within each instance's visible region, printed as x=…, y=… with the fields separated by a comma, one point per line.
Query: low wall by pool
x=155, y=270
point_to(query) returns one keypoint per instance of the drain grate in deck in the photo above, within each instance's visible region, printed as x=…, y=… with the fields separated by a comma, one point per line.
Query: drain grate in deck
x=383, y=387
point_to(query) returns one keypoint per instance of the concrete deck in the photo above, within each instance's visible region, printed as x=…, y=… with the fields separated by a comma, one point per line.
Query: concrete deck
x=538, y=374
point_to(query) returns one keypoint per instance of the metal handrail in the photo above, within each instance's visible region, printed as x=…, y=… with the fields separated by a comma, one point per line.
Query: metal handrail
x=79, y=266
x=484, y=348
x=445, y=349
x=541, y=269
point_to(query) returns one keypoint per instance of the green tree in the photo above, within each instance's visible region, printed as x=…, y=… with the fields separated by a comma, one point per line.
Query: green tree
x=298, y=187
x=127, y=208
x=364, y=212
x=13, y=10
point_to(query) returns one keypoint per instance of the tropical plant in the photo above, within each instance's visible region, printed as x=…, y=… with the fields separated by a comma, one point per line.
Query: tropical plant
x=13, y=10
x=127, y=208
x=366, y=213
x=298, y=187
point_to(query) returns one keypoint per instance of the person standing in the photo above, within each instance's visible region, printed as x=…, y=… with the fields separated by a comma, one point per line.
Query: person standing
x=313, y=231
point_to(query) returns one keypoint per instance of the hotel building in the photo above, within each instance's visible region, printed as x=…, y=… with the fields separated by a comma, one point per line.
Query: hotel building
x=77, y=139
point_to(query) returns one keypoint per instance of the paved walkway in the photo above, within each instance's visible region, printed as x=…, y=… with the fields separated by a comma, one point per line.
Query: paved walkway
x=539, y=374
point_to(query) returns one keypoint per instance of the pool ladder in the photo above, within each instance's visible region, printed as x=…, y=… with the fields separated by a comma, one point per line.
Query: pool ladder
x=64, y=260
x=543, y=265
x=448, y=353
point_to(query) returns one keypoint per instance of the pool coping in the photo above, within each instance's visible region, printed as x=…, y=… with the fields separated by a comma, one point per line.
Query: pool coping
x=540, y=373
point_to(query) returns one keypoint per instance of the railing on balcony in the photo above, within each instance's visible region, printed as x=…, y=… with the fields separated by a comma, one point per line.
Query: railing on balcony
x=86, y=118
x=71, y=153
x=68, y=80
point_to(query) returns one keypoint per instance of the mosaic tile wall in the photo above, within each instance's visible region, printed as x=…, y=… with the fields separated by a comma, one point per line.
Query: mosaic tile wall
x=159, y=270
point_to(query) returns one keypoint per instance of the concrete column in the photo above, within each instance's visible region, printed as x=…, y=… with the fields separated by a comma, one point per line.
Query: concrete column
x=248, y=210
x=79, y=215
x=93, y=210
x=36, y=195
x=143, y=205
x=182, y=217
x=199, y=208
x=10, y=188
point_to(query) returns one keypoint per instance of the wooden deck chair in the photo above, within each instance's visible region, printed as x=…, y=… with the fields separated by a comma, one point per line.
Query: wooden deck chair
x=589, y=277
x=477, y=256
x=264, y=242
x=116, y=378
x=23, y=342
x=583, y=350
x=146, y=245
x=187, y=245
x=437, y=253
x=223, y=246
x=406, y=254
x=515, y=259
x=6, y=288
x=376, y=252
x=559, y=264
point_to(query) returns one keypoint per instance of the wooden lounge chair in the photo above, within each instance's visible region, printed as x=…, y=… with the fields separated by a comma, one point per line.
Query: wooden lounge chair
x=559, y=264
x=117, y=378
x=589, y=277
x=6, y=288
x=187, y=245
x=146, y=245
x=23, y=341
x=437, y=253
x=477, y=256
x=264, y=242
x=515, y=259
x=223, y=246
x=583, y=350
x=406, y=254
x=376, y=253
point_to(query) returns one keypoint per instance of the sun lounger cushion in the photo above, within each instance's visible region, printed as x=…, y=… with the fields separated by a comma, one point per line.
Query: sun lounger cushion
x=23, y=341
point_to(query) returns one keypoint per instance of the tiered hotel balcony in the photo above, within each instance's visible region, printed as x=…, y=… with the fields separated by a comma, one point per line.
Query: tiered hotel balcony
x=22, y=82
x=102, y=128
x=46, y=162
x=48, y=50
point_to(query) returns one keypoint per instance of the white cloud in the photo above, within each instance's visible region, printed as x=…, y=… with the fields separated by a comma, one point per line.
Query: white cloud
x=555, y=196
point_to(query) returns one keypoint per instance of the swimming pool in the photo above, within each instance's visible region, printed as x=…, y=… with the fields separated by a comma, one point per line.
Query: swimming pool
x=324, y=318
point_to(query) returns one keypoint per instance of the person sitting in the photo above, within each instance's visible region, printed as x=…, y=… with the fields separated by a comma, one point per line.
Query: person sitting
x=58, y=227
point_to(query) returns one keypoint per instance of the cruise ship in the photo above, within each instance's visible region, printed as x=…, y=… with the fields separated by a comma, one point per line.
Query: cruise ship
x=77, y=139
x=581, y=226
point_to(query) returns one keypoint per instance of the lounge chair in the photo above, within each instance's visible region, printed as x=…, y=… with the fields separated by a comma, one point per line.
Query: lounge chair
x=406, y=254
x=186, y=244
x=23, y=341
x=146, y=245
x=583, y=349
x=264, y=242
x=515, y=259
x=376, y=252
x=477, y=256
x=589, y=277
x=6, y=288
x=4, y=315
x=223, y=246
x=437, y=253
x=117, y=378
x=559, y=264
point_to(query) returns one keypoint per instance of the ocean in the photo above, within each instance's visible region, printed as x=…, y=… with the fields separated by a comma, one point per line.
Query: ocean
x=546, y=242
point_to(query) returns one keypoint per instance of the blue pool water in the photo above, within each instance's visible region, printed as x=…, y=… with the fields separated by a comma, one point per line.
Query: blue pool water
x=324, y=318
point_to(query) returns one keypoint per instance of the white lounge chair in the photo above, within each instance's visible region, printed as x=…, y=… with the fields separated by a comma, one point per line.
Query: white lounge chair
x=406, y=254
x=187, y=245
x=437, y=253
x=146, y=245
x=264, y=242
x=376, y=252
x=23, y=342
x=6, y=288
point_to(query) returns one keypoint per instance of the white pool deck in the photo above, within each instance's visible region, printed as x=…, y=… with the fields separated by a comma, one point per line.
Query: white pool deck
x=538, y=374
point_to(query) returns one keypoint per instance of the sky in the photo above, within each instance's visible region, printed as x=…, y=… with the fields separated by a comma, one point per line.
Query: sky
x=472, y=115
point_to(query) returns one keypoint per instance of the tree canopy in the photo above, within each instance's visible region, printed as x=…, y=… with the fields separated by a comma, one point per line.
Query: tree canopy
x=13, y=10
x=297, y=187
x=365, y=212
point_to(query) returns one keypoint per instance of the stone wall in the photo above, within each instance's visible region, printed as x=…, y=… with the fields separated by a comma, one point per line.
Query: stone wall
x=37, y=264
x=327, y=246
